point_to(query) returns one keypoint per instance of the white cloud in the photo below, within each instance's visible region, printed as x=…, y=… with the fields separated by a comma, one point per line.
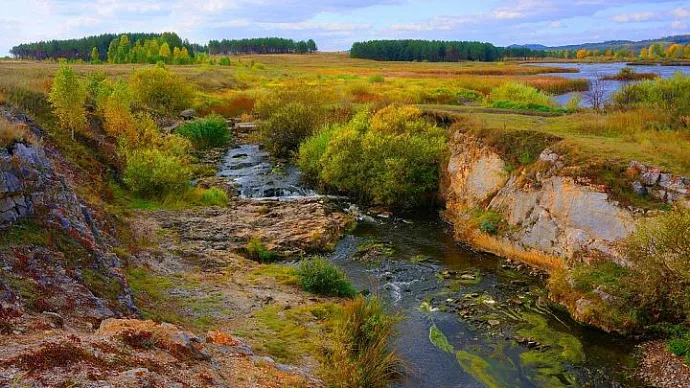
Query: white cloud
x=681, y=13
x=635, y=17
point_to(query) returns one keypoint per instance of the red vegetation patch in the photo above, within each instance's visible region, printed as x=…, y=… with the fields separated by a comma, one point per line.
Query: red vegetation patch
x=53, y=355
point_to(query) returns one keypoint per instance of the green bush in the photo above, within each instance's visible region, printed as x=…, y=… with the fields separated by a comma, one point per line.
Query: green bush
x=390, y=158
x=311, y=151
x=224, y=61
x=208, y=132
x=464, y=96
x=523, y=95
x=319, y=276
x=256, y=250
x=153, y=173
x=160, y=90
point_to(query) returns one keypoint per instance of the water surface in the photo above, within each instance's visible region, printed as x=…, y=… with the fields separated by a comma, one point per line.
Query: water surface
x=591, y=71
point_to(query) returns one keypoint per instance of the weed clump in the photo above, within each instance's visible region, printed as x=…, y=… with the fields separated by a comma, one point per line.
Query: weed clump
x=360, y=355
x=319, y=276
x=256, y=250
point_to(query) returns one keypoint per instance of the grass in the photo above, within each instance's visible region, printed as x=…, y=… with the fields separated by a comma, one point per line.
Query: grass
x=256, y=250
x=440, y=340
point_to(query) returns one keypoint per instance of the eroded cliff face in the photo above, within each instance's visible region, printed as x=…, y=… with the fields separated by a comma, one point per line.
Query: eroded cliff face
x=547, y=215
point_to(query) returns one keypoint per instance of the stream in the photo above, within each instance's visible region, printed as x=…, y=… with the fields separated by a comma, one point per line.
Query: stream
x=469, y=319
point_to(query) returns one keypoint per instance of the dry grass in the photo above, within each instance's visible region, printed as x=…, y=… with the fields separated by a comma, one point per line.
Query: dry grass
x=11, y=133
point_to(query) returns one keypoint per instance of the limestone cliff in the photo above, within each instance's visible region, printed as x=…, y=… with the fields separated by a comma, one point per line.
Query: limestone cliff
x=546, y=213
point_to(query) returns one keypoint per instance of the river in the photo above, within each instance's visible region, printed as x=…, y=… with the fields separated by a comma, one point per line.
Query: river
x=591, y=71
x=500, y=328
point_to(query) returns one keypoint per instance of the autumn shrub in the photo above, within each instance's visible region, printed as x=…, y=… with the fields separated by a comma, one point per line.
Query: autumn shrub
x=159, y=90
x=360, y=355
x=68, y=98
x=660, y=254
x=232, y=105
x=672, y=95
x=287, y=117
x=288, y=126
x=115, y=107
x=388, y=158
x=208, y=132
x=519, y=94
x=154, y=173
x=320, y=276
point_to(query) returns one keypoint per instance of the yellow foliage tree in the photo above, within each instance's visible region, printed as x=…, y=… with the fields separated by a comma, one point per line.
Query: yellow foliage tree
x=164, y=52
x=582, y=53
x=644, y=53
x=118, y=120
x=68, y=97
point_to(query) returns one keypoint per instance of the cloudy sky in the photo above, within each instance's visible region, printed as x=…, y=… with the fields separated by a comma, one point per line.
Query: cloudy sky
x=335, y=24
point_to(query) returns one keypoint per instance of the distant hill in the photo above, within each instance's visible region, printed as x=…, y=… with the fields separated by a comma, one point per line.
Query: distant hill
x=529, y=46
x=613, y=44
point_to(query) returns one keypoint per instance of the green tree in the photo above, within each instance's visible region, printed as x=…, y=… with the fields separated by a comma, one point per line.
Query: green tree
x=68, y=97
x=112, y=50
x=123, y=49
x=311, y=45
x=95, y=58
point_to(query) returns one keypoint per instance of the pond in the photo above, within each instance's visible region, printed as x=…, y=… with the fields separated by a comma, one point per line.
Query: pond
x=592, y=71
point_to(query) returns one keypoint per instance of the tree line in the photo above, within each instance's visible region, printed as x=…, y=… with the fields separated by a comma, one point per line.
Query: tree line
x=261, y=46
x=425, y=50
x=83, y=48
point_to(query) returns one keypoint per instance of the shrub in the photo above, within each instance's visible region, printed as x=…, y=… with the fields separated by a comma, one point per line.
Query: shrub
x=360, y=355
x=376, y=79
x=390, y=158
x=312, y=150
x=464, y=96
x=158, y=89
x=68, y=97
x=516, y=92
x=232, y=106
x=680, y=346
x=660, y=253
x=117, y=115
x=319, y=276
x=573, y=104
x=208, y=132
x=287, y=127
x=154, y=173
x=224, y=61
x=672, y=95
x=256, y=250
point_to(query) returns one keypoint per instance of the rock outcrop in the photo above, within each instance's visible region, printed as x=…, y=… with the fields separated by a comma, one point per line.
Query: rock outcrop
x=549, y=213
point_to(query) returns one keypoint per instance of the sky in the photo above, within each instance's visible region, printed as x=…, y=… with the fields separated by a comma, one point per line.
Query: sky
x=336, y=24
